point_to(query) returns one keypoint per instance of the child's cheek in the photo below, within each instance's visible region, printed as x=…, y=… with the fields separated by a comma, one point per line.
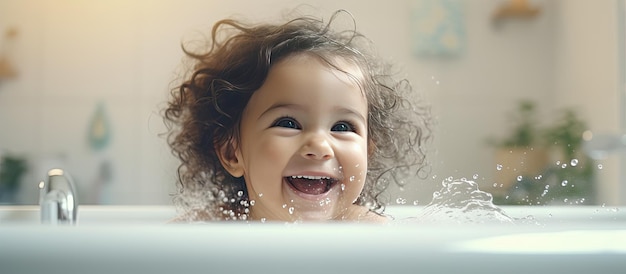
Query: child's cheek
x=355, y=168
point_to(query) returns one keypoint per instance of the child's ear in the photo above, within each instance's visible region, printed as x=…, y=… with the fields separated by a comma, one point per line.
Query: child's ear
x=227, y=153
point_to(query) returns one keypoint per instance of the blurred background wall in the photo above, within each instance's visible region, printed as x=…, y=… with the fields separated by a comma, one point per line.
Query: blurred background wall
x=92, y=77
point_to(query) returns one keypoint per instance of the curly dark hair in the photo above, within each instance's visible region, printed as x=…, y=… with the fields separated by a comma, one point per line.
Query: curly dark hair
x=205, y=111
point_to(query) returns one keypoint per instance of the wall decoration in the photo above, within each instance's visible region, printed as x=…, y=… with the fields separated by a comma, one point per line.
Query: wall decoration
x=7, y=71
x=437, y=27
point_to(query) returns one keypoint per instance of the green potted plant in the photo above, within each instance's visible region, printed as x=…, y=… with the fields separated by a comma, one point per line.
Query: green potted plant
x=522, y=153
x=572, y=178
x=12, y=168
x=568, y=179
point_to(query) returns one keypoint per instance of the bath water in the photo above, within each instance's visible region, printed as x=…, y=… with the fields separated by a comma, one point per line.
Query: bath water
x=460, y=201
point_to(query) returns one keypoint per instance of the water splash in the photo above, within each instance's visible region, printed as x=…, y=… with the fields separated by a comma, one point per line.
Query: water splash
x=460, y=201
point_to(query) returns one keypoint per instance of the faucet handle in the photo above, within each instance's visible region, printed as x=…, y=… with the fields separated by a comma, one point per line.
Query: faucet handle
x=57, y=199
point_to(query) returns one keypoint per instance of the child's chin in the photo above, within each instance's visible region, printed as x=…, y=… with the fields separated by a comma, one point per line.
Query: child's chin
x=316, y=215
x=321, y=207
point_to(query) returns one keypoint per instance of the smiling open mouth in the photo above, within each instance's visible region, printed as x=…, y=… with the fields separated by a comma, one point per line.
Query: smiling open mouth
x=312, y=185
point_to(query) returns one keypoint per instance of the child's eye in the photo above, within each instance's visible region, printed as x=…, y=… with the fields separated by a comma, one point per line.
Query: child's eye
x=286, y=122
x=343, y=126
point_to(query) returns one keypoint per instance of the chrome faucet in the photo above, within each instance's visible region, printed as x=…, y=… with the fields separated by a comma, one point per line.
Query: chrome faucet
x=57, y=199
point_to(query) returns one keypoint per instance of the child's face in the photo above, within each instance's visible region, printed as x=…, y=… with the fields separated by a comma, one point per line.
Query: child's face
x=303, y=143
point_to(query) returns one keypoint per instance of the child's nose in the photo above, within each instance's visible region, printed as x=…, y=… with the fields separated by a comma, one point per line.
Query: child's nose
x=317, y=147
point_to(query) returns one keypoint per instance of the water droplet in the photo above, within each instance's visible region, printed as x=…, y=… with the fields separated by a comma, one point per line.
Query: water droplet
x=547, y=186
x=239, y=193
x=507, y=197
x=565, y=200
x=558, y=163
x=400, y=201
x=603, y=205
x=263, y=220
x=600, y=166
x=450, y=179
x=564, y=183
x=519, y=178
x=260, y=194
x=343, y=187
x=573, y=162
x=475, y=176
x=499, y=167
x=284, y=205
x=357, y=165
x=291, y=209
x=351, y=178
x=434, y=177
x=416, y=202
x=495, y=184
x=252, y=202
x=563, y=165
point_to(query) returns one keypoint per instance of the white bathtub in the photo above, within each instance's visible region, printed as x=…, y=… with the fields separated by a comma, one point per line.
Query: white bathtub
x=135, y=239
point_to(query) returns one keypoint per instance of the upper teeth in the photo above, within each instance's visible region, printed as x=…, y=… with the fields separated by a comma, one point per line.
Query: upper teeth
x=310, y=177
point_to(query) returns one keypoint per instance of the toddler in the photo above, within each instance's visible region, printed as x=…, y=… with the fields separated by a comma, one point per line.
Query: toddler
x=291, y=122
